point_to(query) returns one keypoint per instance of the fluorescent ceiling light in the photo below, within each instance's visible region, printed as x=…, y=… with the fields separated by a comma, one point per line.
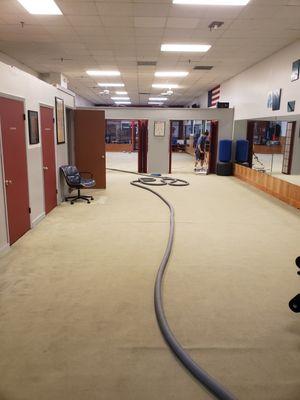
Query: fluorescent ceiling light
x=103, y=73
x=152, y=103
x=111, y=84
x=121, y=93
x=171, y=74
x=122, y=102
x=158, y=98
x=120, y=98
x=213, y=2
x=164, y=85
x=202, y=48
x=41, y=7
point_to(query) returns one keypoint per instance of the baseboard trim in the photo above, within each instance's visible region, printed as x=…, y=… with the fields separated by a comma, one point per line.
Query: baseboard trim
x=4, y=248
x=37, y=220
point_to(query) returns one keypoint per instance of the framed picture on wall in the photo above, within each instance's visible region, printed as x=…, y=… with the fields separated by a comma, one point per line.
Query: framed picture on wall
x=33, y=127
x=295, y=71
x=291, y=106
x=159, y=128
x=60, y=120
x=276, y=100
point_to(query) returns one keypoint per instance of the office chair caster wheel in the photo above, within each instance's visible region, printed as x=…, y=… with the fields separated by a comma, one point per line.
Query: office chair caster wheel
x=72, y=202
x=89, y=202
x=92, y=198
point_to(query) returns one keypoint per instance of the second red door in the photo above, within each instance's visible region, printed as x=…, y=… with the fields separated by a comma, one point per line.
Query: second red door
x=49, y=165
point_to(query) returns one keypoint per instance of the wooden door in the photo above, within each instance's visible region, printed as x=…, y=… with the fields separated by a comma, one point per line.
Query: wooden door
x=288, y=148
x=48, y=151
x=90, y=144
x=213, y=150
x=15, y=167
x=143, y=146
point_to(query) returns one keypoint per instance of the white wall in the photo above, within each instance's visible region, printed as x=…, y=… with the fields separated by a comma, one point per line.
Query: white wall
x=158, y=147
x=248, y=92
x=82, y=102
x=22, y=85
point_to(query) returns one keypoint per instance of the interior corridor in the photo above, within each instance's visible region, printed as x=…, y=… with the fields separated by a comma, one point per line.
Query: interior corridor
x=77, y=317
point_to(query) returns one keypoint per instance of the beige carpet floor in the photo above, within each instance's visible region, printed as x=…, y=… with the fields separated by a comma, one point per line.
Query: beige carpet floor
x=76, y=296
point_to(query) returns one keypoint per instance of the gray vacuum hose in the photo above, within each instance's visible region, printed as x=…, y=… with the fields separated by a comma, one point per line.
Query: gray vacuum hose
x=205, y=379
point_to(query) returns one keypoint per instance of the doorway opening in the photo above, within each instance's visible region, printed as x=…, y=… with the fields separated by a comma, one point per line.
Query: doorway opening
x=126, y=143
x=186, y=137
x=271, y=146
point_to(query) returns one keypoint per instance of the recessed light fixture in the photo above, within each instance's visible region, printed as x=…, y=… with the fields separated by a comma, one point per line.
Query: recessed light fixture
x=171, y=74
x=103, y=73
x=158, y=98
x=122, y=102
x=152, y=103
x=190, y=48
x=213, y=2
x=111, y=84
x=120, y=98
x=164, y=85
x=41, y=7
x=121, y=93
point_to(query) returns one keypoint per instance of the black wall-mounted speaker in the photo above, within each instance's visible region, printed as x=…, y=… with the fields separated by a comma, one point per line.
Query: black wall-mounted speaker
x=221, y=104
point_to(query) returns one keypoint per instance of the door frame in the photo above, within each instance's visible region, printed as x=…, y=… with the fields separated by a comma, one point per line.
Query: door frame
x=3, y=188
x=213, y=146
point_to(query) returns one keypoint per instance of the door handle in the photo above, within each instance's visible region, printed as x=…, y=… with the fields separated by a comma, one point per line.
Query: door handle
x=45, y=168
x=103, y=156
x=8, y=182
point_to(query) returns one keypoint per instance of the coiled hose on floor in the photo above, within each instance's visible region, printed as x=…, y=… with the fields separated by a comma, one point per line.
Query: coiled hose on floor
x=202, y=376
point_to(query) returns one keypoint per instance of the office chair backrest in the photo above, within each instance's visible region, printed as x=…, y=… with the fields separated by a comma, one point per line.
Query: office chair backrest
x=71, y=174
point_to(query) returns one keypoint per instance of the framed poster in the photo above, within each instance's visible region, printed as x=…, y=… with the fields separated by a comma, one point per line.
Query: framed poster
x=276, y=100
x=291, y=106
x=295, y=71
x=33, y=127
x=270, y=100
x=60, y=120
x=159, y=128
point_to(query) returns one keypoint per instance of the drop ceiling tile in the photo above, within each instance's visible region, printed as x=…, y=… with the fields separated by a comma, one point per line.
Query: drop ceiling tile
x=151, y=10
x=184, y=23
x=115, y=9
x=117, y=22
x=71, y=7
x=149, y=22
x=82, y=20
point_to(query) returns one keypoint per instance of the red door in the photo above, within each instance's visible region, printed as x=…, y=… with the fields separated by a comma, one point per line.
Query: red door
x=49, y=167
x=15, y=167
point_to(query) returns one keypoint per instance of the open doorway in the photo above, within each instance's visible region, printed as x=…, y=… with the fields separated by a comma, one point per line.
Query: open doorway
x=188, y=137
x=127, y=144
x=271, y=146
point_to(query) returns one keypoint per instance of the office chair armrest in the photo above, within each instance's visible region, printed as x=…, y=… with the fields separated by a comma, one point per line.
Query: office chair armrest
x=84, y=172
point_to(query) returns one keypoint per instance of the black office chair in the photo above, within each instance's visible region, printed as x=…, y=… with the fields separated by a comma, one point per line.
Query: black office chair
x=75, y=181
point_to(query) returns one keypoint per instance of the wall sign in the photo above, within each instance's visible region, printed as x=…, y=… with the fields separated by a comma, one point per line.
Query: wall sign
x=60, y=120
x=33, y=126
x=159, y=128
x=295, y=71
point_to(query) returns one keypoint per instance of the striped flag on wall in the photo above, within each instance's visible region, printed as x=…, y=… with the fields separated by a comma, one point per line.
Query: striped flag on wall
x=214, y=96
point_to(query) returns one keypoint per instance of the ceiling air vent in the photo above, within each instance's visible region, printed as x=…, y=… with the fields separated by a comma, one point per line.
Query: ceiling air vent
x=144, y=93
x=203, y=67
x=146, y=63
